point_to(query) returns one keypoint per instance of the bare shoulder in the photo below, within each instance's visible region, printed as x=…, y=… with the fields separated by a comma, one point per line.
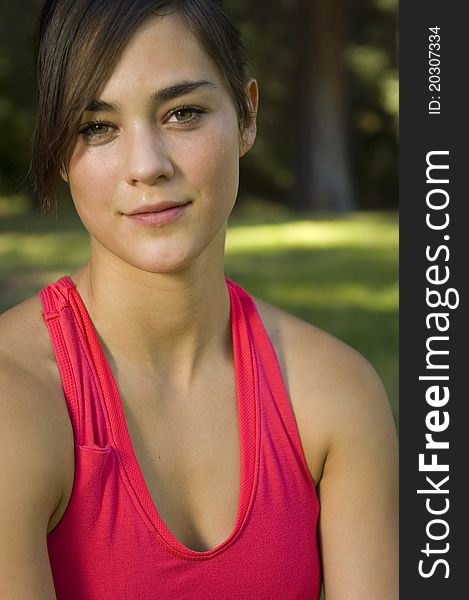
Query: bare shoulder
x=335, y=392
x=27, y=360
x=20, y=322
x=29, y=377
x=33, y=414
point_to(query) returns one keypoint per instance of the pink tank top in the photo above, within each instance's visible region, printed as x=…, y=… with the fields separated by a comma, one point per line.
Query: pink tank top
x=111, y=543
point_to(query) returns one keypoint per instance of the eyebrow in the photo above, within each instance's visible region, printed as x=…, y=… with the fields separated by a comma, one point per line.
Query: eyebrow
x=163, y=95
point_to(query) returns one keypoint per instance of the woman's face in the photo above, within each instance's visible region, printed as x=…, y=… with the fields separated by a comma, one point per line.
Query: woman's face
x=154, y=173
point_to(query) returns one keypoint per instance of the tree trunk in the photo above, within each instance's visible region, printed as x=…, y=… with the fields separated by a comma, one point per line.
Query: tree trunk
x=321, y=165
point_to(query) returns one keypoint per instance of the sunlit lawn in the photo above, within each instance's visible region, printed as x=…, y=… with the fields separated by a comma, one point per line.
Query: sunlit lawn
x=338, y=272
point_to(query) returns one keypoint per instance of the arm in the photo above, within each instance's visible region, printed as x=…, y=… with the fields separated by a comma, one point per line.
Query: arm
x=358, y=491
x=30, y=487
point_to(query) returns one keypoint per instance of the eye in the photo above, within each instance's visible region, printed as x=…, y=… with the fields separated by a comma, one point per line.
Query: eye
x=96, y=131
x=185, y=115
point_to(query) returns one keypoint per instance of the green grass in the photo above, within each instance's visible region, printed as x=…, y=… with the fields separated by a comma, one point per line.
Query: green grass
x=338, y=272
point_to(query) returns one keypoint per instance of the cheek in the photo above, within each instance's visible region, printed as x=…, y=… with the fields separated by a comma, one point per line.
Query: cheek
x=214, y=163
x=92, y=179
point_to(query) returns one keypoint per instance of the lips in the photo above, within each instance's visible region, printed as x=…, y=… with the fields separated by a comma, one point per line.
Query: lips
x=158, y=213
x=155, y=207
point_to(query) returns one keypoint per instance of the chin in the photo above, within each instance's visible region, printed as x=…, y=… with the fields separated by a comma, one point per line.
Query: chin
x=163, y=263
x=170, y=254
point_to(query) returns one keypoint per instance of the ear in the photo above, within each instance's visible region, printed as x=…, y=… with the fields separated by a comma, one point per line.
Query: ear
x=63, y=174
x=249, y=132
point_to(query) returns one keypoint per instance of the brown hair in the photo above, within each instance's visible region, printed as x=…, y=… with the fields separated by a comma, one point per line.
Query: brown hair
x=78, y=44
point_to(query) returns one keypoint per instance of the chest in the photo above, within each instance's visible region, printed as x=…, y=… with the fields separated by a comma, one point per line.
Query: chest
x=188, y=450
x=187, y=446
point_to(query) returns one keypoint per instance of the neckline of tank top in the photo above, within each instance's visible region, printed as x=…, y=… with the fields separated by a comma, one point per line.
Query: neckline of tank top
x=247, y=392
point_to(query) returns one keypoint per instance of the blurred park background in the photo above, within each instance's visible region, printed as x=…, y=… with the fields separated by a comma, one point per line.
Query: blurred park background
x=315, y=228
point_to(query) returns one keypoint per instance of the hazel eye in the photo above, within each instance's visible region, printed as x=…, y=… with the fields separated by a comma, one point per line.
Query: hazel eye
x=185, y=115
x=96, y=130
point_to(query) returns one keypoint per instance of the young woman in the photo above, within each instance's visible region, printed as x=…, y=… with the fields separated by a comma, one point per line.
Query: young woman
x=162, y=433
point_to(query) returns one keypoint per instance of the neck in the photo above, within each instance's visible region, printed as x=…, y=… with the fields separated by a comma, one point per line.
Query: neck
x=158, y=322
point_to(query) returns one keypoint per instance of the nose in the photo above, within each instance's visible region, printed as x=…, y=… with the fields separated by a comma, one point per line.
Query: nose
x=147, y=157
